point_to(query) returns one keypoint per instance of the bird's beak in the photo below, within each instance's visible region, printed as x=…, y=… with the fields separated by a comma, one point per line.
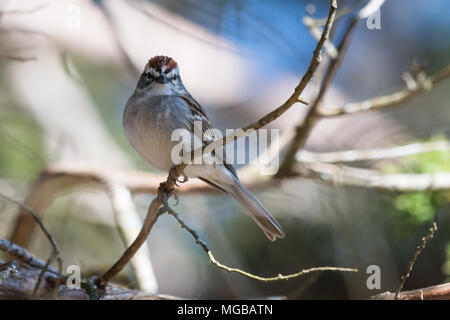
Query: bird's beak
x=162, y=79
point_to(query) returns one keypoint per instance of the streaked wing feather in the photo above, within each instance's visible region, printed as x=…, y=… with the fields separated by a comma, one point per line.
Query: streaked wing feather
x=200, y=114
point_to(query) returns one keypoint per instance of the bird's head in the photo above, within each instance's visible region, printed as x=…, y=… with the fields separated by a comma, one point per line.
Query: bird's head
x=160, y=74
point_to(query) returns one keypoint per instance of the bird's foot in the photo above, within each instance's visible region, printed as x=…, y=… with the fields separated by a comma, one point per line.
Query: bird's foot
x=167, y=188
x=176, y=177
x=183, y=179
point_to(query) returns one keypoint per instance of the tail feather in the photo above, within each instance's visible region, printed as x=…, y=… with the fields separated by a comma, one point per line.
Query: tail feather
x=257, y=212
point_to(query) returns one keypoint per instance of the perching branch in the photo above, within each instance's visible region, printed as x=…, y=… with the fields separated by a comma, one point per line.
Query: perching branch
x=154, y=212
x=150, y=219
x=219, y=265
x=58, y=179
x=128, y=224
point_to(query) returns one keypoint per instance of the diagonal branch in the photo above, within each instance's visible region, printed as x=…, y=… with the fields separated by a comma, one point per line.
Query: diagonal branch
x=419, y=249
x=293, y=99
x=150, y=219
x=303, y=130
x=128, y=224
x=24, y=255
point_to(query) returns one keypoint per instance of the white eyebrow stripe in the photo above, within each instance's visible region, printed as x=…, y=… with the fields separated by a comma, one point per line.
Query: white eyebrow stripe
x=153, y=72
x=172, y=72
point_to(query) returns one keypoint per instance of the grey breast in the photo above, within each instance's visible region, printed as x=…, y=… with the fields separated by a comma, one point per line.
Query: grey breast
x=149, y=123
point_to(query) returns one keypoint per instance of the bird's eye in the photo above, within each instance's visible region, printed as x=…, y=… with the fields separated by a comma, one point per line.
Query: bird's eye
x=173, y=78
x=148, y=75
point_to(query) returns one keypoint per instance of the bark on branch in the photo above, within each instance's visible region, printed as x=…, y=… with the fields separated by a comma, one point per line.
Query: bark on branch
x=439, y=292
x=19, y=283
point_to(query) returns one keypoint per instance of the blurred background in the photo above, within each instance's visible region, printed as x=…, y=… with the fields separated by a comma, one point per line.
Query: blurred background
x=67, y=69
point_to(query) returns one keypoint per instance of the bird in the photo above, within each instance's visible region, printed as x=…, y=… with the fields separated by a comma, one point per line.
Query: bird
x=161, y=104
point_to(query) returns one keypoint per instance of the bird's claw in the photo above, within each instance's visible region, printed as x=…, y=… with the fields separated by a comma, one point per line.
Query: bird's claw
x=176, y=178
x=167, y=190
x=173, y=175
x=185, y=179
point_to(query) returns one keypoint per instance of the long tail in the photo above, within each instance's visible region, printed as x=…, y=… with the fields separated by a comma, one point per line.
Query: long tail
x=257, y=212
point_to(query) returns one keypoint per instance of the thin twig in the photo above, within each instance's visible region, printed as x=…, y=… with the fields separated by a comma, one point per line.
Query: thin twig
x=55, y=251
x=390, y=100
x=419, y=249
x=342, y=12
x=293, y=99
x=24, y=255
x=304, y=129
x=316, y=32
x=219, y=265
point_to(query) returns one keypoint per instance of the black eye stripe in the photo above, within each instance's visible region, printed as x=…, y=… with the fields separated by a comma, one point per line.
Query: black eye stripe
x=151, y=76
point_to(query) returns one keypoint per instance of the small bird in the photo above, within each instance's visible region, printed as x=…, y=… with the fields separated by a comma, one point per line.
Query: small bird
x=161, y=104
